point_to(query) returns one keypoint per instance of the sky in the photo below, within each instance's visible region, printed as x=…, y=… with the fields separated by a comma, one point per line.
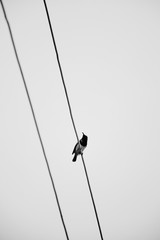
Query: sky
x=110, y=56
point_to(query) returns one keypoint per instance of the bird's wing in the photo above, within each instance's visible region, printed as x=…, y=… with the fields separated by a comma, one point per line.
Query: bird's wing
x=74, y=150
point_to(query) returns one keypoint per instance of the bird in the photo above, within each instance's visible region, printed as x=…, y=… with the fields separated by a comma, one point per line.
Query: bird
x=79, y=147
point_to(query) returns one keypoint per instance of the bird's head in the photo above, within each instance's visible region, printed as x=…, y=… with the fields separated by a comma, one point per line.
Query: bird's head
x=84, y=136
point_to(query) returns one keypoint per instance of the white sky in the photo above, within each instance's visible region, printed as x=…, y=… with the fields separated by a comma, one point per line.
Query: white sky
x=110, y=55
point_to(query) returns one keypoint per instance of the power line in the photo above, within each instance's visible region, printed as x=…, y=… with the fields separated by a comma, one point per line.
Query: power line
x=94, y=205
x=71, y=115
x=59, y=65
x=34, y=117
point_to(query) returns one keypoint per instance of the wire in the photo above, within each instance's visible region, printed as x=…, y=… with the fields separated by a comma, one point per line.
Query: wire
x=34, y=117
x=59, y=65
x=94, y=205
x=71, y=115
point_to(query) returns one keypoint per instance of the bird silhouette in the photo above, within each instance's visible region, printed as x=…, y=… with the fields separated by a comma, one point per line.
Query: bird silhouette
x=79, y=147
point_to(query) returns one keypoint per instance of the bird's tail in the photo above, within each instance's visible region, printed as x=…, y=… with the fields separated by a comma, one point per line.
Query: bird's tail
x=74, y=158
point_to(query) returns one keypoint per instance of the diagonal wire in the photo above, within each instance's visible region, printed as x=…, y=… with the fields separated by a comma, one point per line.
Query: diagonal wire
x=34, y=117
x=71, y=115
x=59, y=65
x=94, y=205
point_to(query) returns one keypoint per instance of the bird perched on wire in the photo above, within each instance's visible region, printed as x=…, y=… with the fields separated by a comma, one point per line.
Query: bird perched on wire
x=79, y=147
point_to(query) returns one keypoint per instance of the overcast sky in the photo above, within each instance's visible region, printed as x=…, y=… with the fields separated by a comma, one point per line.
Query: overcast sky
x=110, y=55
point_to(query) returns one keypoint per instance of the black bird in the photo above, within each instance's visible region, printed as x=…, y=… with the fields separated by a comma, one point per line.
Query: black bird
x=78, y=149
